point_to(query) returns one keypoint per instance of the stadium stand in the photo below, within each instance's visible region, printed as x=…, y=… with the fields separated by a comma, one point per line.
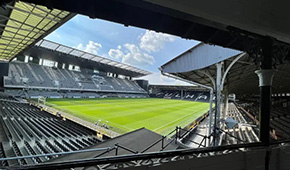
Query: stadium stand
x=37, y=80
x=200, y=96
x=243, y=133
x=279, y=122
x=28, y=130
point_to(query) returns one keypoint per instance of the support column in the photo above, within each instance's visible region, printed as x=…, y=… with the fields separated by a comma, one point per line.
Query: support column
x=265, y=75
x=218, y=102
x=181, y=95
x=210, y=115
x=265, y=83
x=226, y=103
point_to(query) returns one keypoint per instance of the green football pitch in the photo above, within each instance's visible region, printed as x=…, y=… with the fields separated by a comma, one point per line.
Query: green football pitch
x=124, y=115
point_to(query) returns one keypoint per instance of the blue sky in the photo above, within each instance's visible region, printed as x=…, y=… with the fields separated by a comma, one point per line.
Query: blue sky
x=141, y=48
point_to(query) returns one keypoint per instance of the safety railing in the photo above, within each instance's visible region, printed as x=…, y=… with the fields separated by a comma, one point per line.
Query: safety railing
x=162, y=140
x=141, y=158
x=105, y=150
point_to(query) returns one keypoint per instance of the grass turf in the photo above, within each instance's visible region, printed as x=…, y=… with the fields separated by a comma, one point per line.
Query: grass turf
x=124, y=115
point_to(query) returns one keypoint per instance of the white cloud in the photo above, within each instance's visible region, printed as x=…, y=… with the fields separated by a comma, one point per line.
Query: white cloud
x=158, y=79
x=152, y=41
x=116, y=53
x=91, y=47
x=133, y=56
x=136, y=56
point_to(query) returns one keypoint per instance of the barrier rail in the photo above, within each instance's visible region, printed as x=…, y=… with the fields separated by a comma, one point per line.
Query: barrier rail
x=139, y=159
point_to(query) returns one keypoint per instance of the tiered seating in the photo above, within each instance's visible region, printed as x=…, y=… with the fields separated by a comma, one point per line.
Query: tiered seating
x=244, y=133
x=239, y=136
x=32, y=152
x=18, y=153
x=30, y=131
x=2, y=155
x=51, y=80
x=280, y=119
x=189, y=95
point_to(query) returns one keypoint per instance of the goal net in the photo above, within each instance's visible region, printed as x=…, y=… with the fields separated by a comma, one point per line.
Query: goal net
x=41, y=100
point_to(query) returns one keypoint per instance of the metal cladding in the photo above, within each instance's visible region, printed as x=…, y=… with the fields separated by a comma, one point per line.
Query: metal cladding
x=23, y=24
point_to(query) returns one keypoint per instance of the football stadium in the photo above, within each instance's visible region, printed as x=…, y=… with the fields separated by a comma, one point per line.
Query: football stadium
x=64, y=107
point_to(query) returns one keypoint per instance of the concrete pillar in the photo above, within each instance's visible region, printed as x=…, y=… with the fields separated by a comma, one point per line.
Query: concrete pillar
x=265, y=75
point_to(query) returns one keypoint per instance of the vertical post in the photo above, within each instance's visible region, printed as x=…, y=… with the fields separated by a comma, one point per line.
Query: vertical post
x=116, y=147
x=176, y=134
x=181, y=93
x=162, y=142
x=210, y=115
x=218, y=102
x=226, y=103
x=265, y=75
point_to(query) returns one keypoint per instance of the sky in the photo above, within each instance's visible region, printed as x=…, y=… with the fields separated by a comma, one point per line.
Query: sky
x=138, y=47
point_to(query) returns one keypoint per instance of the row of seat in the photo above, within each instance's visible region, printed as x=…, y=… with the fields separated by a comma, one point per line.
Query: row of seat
x=239, y=136
x=2, y=155
x=280, y=119
x=68, y=94
x=32, y=75
x=243, y=132
x=31, y=131
x=234, y=113
x=189, y=95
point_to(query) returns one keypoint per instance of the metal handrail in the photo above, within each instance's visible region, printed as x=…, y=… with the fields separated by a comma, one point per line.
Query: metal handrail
x=153, y=144
x=232, y=136
x=161, y=140
x=167, y=145
x=125, y=148
x=133, y=157
x=55, y=154
x=107, y=150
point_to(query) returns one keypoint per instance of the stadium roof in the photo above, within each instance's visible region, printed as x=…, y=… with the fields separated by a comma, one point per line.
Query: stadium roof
x=234, y=24
x=23, y=24
x=200, y=60
x=89, y=56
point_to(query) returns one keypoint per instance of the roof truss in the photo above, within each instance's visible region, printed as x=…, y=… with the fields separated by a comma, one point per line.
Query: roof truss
x=25, y=25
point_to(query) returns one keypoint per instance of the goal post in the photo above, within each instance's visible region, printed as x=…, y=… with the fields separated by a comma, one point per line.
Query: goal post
x=41, y=100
